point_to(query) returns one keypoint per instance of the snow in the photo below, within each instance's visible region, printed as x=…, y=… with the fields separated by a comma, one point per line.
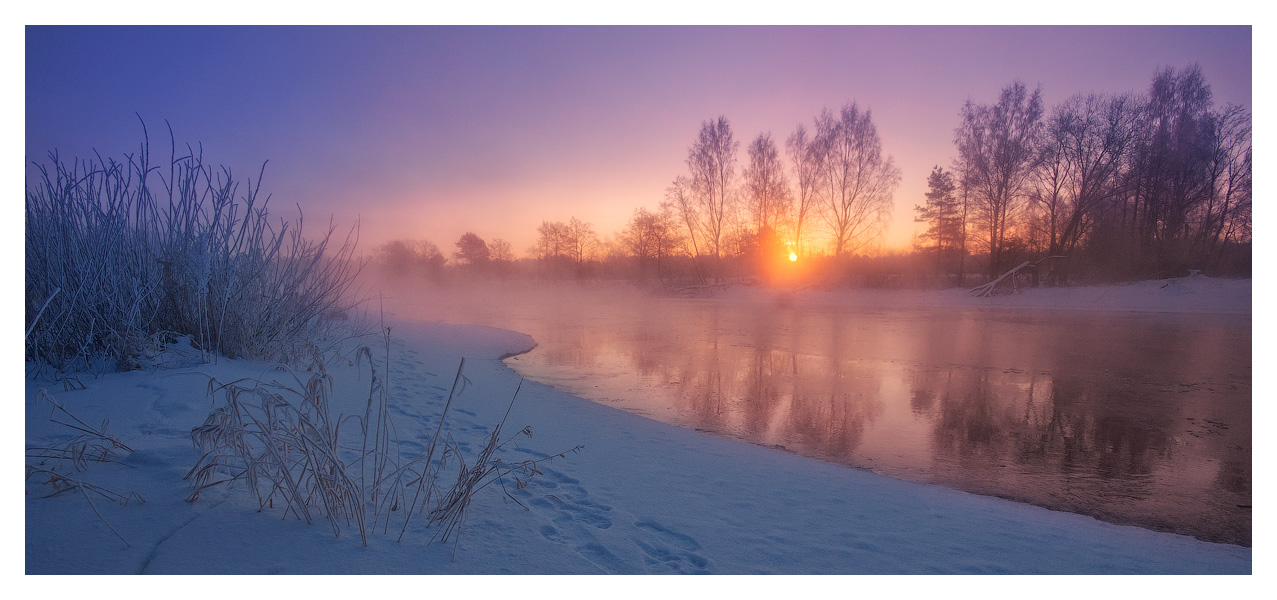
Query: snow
x=642, y=497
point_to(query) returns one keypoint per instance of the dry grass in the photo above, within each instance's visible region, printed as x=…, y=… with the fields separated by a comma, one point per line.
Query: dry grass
x=58, y=464
x=289, y=449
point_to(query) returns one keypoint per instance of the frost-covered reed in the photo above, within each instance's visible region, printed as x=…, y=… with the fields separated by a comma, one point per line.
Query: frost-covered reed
x=283, y=442
x=121, y=254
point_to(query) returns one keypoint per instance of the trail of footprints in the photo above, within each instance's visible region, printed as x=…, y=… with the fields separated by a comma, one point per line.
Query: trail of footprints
x=578, y=521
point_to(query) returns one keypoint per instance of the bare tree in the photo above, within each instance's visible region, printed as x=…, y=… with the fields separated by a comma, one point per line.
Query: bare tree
x=501, y=251
x=1090, y=138
x=680, y=200
x=581, y=241
x=651, y=237
x=561, y=244
x=429, y=257
x=1172, y=166
x=551, y=241
x=711, y=161
x=998, y=148
x=855, y=180
x=806, y=161
x=766, y=191
x=1225, y=216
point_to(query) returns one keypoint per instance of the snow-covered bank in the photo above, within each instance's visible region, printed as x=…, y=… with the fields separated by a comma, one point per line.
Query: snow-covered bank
x=642, y=497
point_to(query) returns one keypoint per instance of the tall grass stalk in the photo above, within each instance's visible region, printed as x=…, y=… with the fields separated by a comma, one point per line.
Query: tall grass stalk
x=284, y=443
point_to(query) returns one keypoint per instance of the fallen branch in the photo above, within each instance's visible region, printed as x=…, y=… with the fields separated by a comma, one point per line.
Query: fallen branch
x=987, y=289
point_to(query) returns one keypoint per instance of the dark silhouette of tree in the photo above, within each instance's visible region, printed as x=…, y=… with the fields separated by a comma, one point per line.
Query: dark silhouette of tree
x=502, y=255
x=855, y=180
x=651, y=237
x=711, y=161
x=943, y=215
x=998, y=152
x=680, y=200
x=402, y=258
x=1173, y=167
x=551, y=247
x=1086, y=148
x=766, y=191
x=560, y=245
x=472, y=251
x=806, y=162
x=582, y=243
x=500, y=251
x=1226, y=216
x=396, y=257
x=1189, y=189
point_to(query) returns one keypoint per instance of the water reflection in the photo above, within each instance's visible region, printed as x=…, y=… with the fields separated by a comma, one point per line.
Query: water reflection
x=1140, y=419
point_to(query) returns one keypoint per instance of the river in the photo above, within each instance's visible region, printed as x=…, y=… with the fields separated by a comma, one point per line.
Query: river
x=1140, y=418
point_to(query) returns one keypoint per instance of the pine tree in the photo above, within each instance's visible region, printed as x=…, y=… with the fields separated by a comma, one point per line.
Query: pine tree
x=942, y=213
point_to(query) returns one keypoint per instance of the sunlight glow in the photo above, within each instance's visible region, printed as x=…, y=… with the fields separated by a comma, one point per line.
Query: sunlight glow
x=793, y=257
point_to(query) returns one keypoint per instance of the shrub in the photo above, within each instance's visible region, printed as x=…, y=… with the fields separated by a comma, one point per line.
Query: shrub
x=112, y=259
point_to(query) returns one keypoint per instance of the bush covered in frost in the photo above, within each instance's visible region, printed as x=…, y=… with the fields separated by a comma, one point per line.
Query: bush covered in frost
x=122, y=256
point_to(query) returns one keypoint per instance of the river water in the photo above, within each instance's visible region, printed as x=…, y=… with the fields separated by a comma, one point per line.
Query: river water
x=1133, y=418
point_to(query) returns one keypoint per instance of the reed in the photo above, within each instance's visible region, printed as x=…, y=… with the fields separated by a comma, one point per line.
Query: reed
x=284, y=443
x=117, y=251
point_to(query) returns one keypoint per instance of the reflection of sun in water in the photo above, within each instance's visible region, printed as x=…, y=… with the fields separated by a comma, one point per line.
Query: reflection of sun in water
x=793, y=257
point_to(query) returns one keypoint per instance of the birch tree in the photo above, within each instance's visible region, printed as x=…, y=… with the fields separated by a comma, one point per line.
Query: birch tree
x=805, y=160
x=680, y=201
x=766, y=191
x=855, y=181
x=712, y=163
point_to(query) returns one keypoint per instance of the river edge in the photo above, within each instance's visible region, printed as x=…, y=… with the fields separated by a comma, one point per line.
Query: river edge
x=643, y=497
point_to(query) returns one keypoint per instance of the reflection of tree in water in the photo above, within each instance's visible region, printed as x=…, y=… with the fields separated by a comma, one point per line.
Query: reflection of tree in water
x=968, y=422
x=833, y=426
x=1091, y=429
x=1063, y=423
x=699, y=385
x=761, y=388
x=832, y=406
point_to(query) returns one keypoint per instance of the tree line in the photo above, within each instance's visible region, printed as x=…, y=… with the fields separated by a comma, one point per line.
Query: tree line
x=1102, y=185
x=1123, y=185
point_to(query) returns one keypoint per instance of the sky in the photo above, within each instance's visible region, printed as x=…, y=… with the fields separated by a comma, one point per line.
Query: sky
x=428, y=132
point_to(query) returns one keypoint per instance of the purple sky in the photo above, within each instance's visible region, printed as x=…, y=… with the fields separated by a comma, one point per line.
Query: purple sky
x=429, y=132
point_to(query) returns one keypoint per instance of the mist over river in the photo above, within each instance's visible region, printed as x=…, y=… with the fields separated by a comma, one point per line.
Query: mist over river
x=1133, y=417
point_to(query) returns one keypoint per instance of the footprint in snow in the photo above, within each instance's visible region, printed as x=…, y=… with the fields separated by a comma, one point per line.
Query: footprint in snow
x=601, y=556
x=670, y=549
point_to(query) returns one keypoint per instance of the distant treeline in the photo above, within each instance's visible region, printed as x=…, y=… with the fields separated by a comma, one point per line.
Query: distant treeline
x=1103, y=187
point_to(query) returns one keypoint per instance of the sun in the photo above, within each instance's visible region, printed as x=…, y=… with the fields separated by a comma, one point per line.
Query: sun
x=793, y=257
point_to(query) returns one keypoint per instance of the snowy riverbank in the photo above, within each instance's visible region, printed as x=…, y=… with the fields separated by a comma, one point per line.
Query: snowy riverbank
x=642, y=497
